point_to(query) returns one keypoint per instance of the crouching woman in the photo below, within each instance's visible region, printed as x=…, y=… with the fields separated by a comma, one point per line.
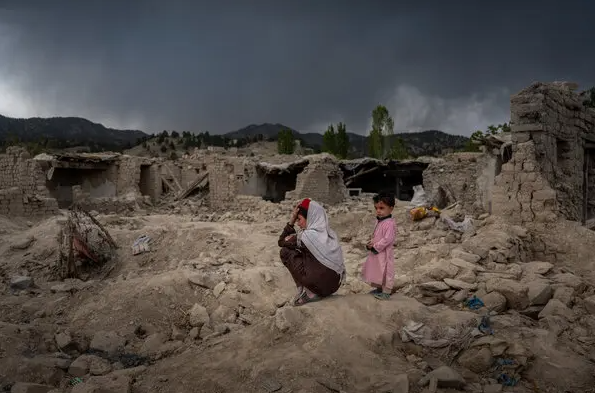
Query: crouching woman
x=313, y=256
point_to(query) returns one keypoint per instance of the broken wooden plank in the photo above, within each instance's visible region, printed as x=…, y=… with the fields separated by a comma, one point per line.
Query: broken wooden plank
x=174, y=178
x=350, y=179
x=168, y=183
x=193, y=186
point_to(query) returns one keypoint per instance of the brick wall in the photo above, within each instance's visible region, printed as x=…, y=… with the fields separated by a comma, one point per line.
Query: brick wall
x=321, y=180
x=22, y=186
x=549, y=125
x=223, y=186
x=466, y=178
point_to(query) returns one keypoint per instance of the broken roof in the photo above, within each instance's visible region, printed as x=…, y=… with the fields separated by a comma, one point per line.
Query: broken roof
x=78, y=157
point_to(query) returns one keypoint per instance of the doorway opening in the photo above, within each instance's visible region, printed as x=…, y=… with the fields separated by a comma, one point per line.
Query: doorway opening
x=144, y=184
x=272, y=182
x=373, y=176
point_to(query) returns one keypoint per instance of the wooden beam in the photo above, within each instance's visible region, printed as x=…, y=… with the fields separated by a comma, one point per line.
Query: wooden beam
x=193, y=186
x=350, y=179
x=173, y=177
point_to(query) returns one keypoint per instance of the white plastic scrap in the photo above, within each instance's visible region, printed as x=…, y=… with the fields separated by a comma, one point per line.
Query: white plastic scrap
x=141, y=245
x=464, y=226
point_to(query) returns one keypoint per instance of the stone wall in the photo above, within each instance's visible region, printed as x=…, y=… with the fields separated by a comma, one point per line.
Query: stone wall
x=22, y=186
x=521, y=192
x=224, y=183
x=466, y=178
x=550, y=129
x=321, y=180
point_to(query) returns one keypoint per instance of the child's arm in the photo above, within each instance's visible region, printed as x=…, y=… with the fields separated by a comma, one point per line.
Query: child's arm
x=388, y=238
x=287, y=231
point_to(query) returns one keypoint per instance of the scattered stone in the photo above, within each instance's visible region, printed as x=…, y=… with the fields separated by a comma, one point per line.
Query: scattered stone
x=177, y=333
x=193, y=334
x=458, y=284
x=494, y=301
x=463, y=264
x=219, y=288
x=224, y=314
x=26, y=387
x=199, y=316
x=21, y=283
x=91, y=364
x=65, y=342
x=401, y=383
x=514, y=292
x=497, y=346
x=590, y=304
x=539, y=293
x=477, y=360
x=569, y=280
x=533, y=268
x=446, y=376
x=465, y=256
x=556, y=308
x=460, y=296
x=435, y=286
x=109, y=342
x=565, y=295
x=205, y=280
x=467, y=276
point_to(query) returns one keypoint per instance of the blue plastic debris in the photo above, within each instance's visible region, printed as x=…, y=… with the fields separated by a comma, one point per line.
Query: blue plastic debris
x=474, y=303
x=485, y=326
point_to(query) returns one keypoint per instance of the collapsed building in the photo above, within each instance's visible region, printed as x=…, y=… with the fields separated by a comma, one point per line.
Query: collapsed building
x=543, y=169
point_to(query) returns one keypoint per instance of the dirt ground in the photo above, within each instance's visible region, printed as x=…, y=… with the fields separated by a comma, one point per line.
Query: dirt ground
x=207, y=309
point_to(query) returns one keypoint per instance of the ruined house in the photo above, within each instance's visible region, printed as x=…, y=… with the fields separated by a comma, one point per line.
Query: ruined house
x=317, y=176
x=546, y=170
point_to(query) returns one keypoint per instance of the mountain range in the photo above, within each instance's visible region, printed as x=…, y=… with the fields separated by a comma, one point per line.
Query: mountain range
x=66, y=132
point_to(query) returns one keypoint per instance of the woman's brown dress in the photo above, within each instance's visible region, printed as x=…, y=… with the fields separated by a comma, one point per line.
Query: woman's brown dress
x=304, y=268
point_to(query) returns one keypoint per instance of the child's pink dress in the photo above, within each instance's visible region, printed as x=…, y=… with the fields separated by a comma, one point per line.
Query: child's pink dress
x=379, y=269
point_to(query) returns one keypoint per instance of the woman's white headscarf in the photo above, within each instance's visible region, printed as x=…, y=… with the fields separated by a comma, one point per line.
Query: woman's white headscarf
x=321, y=240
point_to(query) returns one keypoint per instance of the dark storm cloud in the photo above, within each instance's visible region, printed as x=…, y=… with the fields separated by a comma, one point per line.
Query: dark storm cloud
x=223, y=65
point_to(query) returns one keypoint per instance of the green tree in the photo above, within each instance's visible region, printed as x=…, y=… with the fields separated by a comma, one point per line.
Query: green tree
x=329, y=140
x=285, y=142
x=163, y=148
x=479, y=137
x=375, y=144
x=381, y=136
x=342, y=141
x=398, y=151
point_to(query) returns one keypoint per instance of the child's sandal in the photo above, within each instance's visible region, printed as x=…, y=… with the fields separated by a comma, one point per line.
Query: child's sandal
x=382, y=296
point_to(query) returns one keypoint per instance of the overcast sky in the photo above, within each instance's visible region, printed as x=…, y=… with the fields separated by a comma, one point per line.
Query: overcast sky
x=222, y=65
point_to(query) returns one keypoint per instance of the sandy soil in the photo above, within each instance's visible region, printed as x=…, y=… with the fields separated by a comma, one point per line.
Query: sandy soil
x=151, y=307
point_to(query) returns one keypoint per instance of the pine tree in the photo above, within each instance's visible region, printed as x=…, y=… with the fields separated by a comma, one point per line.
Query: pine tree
x=380, y=139
x=342, y=141
x=375, y=144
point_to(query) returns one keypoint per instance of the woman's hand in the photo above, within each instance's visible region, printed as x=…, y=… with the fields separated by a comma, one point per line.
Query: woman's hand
x=294, y=215
x=289, y=238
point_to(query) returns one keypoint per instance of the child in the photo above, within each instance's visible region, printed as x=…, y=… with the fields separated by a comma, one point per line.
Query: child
x=379, y=268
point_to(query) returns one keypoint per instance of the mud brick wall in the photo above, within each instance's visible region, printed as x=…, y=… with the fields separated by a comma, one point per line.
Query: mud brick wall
x=521, y=191
x=128, y=174
x=552, y=122
x=17, y=169
x=322, y=181
x=465, y=178
x=14, y=202
x=222, y=183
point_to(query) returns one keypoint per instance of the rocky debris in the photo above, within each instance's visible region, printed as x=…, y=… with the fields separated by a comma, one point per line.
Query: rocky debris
x=20, y=283
x=476, y=360
x=445, y=376
x=22, y=244
x=205, y=280
x=108, y=342
x=199, y=316
x=26, y=387
x=105, y=384
x=89, y=364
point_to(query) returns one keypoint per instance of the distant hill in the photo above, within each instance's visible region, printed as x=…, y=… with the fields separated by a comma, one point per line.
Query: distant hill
x=431, y=142
x=66, y=132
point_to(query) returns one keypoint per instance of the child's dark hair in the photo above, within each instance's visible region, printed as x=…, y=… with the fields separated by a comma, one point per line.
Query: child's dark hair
x=385, y=197
x=302, y=211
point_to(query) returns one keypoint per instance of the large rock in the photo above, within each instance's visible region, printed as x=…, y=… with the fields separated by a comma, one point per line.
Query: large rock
x=436, y=270
x=20, y=283
x=558, y=309
x=446, y=376
x=458, y=284
x=516, y=293
x=109, y=342
x=205, y=280
x=589, y=303
x=89, y=364
x=477, y=360
x=536, y=267
x=199, y=316
x=565, y=295
x=465, y=256
x=539, y=293
x=494, y=301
